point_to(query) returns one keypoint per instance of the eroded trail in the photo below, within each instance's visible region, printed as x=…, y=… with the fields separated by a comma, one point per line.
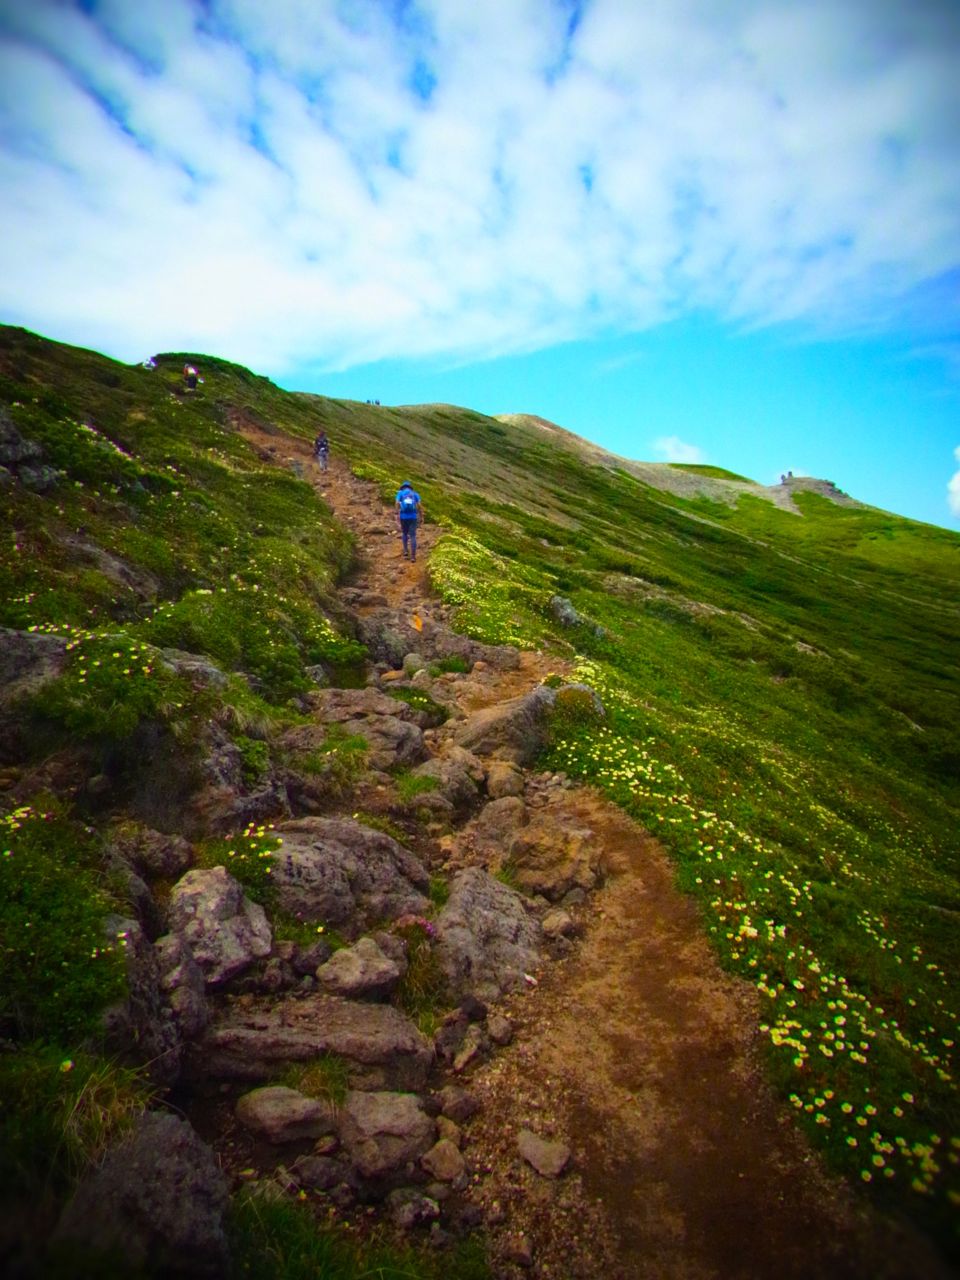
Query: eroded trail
x=634, y=1048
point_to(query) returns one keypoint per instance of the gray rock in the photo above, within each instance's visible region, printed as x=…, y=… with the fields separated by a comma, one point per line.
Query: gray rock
x=384, y=1133
x=197, y=668
x=14, y=447
x=457, y=1103
x=413, y=662
x=499, y=1029
x=503, y=779
x=280, y=1114
x=344, y=706
x=444, y=1161
x=158, y=1200
x=486, y=941
x=474, y=1043
x=38, y=478
x=514, y=730
x=358, y=972
x=251, y=1039
x=548, y=1158
x=28, y=660
x=339, y=872
x=557, y=924
x=307, y=960
x=458, y=774
x=391, y=740
x=321, y=1173
x=153, y=853
x=497, y=822
x=409, y=1208
x=140, y=1028
x=564, y=612
x=182, y=984
x=224, y=930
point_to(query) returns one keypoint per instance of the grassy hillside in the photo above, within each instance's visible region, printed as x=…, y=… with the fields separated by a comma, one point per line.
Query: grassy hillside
x=782, y=687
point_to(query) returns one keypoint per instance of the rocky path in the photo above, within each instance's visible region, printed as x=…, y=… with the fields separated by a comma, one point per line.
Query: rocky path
x=631, y=1050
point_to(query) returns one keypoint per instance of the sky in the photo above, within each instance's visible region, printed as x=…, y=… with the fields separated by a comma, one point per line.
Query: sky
x=718, y=231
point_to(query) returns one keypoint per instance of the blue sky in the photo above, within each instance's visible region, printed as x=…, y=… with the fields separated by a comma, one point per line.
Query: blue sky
x=694, y=231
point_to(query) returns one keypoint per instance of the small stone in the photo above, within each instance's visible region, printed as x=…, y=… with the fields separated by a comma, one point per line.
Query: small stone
x=557, y=924
x=457, y=1103
x=450, y=1130
x=499, y=1029
x=517, y=1250
x=410, y=1208
x=548, y=1158
x=472, y=1044
x=443, y=1161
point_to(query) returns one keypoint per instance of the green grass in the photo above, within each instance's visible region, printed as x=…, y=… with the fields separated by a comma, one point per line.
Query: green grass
x=282, y=1240
x=327, y=1077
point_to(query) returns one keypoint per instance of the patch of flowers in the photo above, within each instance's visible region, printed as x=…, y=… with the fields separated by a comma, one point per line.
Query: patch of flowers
x=57, y=968
x=859, y=1024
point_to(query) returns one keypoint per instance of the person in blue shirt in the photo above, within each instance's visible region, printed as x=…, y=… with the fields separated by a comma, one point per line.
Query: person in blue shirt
x=409, y=515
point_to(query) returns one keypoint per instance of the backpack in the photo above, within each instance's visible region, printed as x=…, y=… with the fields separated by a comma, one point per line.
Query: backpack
x=408, y=503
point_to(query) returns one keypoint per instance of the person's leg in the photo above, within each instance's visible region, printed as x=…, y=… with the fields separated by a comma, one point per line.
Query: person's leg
x=405, y=531
x=413, y=539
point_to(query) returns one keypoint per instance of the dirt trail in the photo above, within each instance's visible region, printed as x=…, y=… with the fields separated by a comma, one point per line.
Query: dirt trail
x=641, y=1053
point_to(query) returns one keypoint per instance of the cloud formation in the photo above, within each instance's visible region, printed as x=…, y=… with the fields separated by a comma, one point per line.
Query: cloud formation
x=673, y=449
x=953, y=488
x=301, y=184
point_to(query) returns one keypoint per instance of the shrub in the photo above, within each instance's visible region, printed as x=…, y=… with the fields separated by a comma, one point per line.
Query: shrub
x=57, y=970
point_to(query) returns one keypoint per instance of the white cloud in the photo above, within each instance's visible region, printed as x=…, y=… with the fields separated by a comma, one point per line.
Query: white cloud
x=953, y=488
x=291, y=186
x=673, y=449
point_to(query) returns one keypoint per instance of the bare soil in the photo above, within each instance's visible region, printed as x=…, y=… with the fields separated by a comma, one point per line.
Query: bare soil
x=638, y=1051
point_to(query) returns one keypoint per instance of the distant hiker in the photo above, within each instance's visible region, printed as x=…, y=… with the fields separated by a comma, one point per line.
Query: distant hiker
x=321, y=450
x=409, y=515
x=190, y=376
x=150, y=364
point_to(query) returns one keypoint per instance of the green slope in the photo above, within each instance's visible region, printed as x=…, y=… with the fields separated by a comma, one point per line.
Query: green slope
x=782, y=687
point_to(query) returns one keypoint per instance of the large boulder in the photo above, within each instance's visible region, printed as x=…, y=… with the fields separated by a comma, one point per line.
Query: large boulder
x=342, y=873
x=224, y=930
x=359, y=972
x=458, y=775
x=486, y=941
x=253, y=1038
x=384, y=1134
x=157, y=1200
x=514, y=730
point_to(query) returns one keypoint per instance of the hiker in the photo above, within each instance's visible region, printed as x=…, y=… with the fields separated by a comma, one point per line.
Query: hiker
x=321, y=450
x=190, y=377
x=409, y=515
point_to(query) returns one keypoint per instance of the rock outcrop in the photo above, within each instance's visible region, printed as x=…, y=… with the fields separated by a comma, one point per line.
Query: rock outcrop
x=339, y=872
x=254, y=1037
x=486, y=940
x=223, y=929
x=157, y=1200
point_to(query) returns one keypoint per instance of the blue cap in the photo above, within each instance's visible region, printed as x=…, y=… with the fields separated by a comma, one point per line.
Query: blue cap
x=406, y=485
